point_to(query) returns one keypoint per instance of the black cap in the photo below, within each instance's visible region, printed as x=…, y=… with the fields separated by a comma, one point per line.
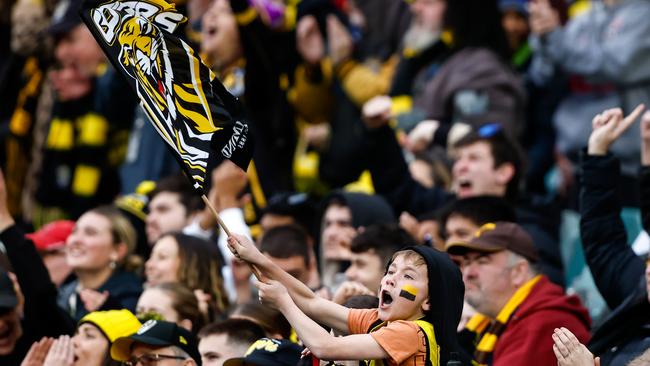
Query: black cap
x=157, y=333
x=269, y=352
x=287, y=203
x=66, y=16
x=8, y=298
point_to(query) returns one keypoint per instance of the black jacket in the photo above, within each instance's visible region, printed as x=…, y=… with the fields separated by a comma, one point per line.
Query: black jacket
x=124, y=289
x=42, y=316
x=618, y=272
x=271, y=58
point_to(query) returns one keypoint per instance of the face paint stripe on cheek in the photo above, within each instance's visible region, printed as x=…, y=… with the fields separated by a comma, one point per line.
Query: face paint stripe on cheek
x=408, y=292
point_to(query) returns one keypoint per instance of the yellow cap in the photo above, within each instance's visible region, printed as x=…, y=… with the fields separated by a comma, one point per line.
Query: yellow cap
x=114, y=323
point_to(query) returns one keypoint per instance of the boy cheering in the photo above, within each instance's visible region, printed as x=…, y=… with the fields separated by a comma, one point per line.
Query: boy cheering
x=420, y=303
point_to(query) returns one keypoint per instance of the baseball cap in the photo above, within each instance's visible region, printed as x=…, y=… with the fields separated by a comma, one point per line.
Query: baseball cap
x=8, y=298
x=520, y=6
x=494, y=237
x=52, y=236
x=287, y=203
x=157, y=333
x=66, y=16
x=269, y=352
x=113, y=323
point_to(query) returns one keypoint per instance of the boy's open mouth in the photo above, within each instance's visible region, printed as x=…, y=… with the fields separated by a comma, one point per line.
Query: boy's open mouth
x=464, y=184
x=386, y=299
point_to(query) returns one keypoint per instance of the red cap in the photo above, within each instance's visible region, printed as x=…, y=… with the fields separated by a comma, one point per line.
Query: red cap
x=52, y=236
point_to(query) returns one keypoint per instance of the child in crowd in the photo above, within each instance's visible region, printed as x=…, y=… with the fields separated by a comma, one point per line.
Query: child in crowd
x=420, y=303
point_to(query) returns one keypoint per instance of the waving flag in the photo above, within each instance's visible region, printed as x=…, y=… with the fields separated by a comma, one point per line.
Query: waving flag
x=187, y=105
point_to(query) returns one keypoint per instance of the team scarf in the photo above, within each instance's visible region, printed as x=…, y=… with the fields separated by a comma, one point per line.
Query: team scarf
x=490, y=330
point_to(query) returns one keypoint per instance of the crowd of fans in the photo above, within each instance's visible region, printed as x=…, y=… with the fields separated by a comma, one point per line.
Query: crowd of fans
x=417, y=166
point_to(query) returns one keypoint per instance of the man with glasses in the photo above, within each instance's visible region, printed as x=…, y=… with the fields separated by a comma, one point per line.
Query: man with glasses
x=157, y=343
x=519, y=308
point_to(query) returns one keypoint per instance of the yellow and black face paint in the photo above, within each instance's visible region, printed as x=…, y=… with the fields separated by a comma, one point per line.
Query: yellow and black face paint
x=408, y=292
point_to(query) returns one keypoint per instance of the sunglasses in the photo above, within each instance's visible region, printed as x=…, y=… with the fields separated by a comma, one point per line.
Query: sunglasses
x=150, y=359
x=489, y=130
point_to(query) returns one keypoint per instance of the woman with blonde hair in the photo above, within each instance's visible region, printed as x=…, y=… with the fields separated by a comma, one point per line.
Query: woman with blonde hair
x=99, y=251
x=193, y=262
x=174, y=303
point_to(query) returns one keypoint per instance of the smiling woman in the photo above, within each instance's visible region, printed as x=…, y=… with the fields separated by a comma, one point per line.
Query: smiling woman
x=99, y=252
x=192, y=262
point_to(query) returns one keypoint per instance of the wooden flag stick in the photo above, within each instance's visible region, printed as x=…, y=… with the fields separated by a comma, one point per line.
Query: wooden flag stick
x=254, y=269
x=216, y=215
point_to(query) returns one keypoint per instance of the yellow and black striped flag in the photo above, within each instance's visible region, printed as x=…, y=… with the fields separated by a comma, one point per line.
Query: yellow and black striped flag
x=185, y=102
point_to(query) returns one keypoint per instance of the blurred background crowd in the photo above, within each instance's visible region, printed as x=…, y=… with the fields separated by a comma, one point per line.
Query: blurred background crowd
x=377, y=124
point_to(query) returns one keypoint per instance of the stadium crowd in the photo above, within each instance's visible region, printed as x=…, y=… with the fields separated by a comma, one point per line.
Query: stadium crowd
x=433, y=182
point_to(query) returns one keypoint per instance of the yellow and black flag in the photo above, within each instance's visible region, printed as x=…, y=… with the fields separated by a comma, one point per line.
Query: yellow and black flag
x=187, y=105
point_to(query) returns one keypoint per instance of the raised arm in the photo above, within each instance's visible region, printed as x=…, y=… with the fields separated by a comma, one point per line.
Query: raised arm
x=321, y=343
x=390, y=173
x=644, y=174
x=613, y=263
x=41, y=310
x=321, y=310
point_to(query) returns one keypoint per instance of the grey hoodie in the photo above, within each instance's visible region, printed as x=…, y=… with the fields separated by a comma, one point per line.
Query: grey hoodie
x=608, y=46
x=474, y=86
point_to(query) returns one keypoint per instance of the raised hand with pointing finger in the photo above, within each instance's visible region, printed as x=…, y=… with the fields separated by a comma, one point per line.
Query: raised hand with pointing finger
x=608, y=126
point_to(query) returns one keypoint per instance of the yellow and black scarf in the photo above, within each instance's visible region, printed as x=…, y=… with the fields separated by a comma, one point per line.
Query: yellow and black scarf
x=489, y=330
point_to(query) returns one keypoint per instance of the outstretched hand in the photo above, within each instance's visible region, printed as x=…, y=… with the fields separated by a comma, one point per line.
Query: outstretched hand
x=570, y=352
x=244, y=249
x=543, y=17
x=339, y=41
x=608, y=126
x=421, y=136
x=273, y=293
x=377, y=111
x=349, y=289
x=309, y=40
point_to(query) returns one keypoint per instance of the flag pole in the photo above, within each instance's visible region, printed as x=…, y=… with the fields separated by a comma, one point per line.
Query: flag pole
x=207, y=202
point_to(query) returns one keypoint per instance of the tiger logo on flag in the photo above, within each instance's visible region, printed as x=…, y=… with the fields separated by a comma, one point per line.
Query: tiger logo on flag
x=145, y=57
x=185, y=103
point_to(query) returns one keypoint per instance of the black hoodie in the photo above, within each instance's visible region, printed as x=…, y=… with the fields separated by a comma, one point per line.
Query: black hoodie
x=366, y=209
x=446, y=292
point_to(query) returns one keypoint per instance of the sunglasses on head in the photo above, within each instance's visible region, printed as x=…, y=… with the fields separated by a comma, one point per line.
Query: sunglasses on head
x=489, y=130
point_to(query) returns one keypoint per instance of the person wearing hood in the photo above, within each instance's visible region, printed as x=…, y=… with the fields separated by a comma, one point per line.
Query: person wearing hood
x=343, y=215
x=518, y=307
x=420, y=304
